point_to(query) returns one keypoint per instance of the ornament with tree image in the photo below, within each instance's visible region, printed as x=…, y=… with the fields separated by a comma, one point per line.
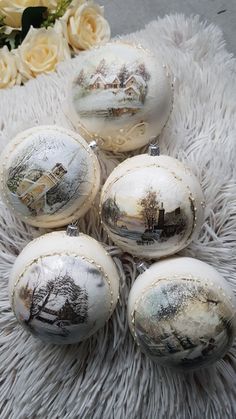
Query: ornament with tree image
x=63, y=287
x=182, y=313
x=152, y=206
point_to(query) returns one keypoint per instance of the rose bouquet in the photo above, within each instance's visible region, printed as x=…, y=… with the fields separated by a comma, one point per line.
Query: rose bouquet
x=35, y=35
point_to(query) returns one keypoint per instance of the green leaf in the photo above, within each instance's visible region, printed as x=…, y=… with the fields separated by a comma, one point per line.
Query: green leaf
x=32, y=16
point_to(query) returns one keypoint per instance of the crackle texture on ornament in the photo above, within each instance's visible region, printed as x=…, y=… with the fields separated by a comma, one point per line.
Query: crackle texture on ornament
x=49, y=176
x=152, y=206
x=182, y=313
x=120, y=95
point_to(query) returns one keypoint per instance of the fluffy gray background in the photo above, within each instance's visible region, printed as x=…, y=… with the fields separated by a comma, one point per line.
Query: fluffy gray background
x=127, y=16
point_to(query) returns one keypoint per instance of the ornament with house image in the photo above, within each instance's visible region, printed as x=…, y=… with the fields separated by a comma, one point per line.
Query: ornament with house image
x=33, y=193
x=51, y=177
x=120, y=95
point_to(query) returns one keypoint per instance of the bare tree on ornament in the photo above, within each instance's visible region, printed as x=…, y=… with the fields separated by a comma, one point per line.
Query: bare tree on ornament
x=102, y=68
x=111, y=211
x=142, y=71
x=149, y=209
x=81, y=78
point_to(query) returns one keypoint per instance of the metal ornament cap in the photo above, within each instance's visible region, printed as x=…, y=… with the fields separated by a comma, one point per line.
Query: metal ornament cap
x=182, y=313
x=152, y=206
x=49, y=176
x=121, y=95
x=153, y=150
x=63, y=287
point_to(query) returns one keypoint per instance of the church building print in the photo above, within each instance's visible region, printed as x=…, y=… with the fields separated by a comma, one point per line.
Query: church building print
x=32, y=193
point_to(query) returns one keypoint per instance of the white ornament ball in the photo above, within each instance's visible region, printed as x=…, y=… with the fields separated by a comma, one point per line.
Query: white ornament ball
x=121, y=95
x=152, y=206
x=182, y=313
x=63, y=288
x=49, y=176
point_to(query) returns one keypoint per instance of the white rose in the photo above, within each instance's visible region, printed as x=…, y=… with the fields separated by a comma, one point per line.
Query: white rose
x=85, y=25
x=12, y=10
x=41, y=51
x=9, y=75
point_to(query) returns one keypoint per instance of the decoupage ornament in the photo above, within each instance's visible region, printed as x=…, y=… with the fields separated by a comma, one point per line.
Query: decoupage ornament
x=182, y=313
x=63, y=287
x=49, y=176
x=152, y=206
x=121, y=95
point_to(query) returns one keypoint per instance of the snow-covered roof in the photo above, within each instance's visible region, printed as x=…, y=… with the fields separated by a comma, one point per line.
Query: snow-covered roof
x=112, y=78
x=138, y=79
x=95, y=78
x=133, y=88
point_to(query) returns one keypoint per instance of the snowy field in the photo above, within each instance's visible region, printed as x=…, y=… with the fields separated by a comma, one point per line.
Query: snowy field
x=103, y=100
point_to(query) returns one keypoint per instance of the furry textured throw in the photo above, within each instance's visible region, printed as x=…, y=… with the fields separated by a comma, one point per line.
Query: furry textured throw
x=107, y=377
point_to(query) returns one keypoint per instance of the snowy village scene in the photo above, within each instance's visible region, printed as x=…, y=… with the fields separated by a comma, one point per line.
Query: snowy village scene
x=58, y=297
x=47, y=174
x=111, y=90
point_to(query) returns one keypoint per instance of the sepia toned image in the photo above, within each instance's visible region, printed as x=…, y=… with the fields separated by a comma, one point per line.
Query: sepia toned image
x=151, y=223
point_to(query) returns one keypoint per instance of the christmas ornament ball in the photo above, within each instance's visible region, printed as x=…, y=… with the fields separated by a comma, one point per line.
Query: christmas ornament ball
x=49, y=176
x=182, y=313
x=63, y=288
x=120, y=95
x=152, y=206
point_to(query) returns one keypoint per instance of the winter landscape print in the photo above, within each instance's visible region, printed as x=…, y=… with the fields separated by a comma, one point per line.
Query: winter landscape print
x=57, y=298
x=47, y=175
x=111, y=89
x=145, y=221
x=164, y=309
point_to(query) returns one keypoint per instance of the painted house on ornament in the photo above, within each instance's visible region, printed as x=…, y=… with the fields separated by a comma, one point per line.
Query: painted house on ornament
x=112, y=82
x=100, y=82
x=97, y=82
x=132, y=92
x=134, y=86
x=135, y=81
x=32, y=193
